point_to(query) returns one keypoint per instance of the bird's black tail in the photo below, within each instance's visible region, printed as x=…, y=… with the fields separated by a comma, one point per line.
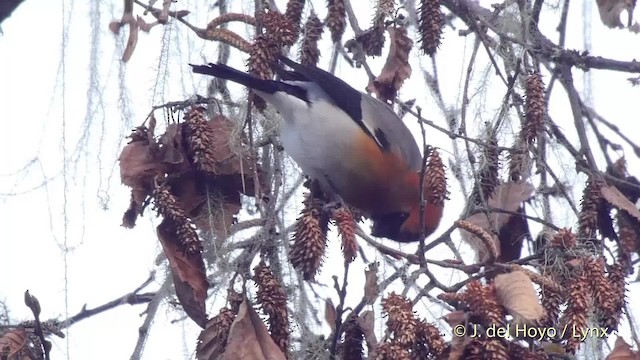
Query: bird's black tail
x=267, y=86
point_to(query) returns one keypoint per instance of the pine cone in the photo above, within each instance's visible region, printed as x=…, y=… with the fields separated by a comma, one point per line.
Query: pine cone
x=336, y=19
x=602, y=292
x=310, y=238
x=199, y=139
x=591, y=202
x=352, y=347
x=616, y=278
x=575, y=316
x=170, y=209
x=484, y=304
x=431, y=22
x=347, y=229
x=564, y=239
x=392, y=351
x=435, y=180
x=272, y=297
x=535, y=108
x=279, y=29
x=372, y=39
x=309, y=52
x=430, y=336
x=261, y=55
x=294, y=14
x=216, y=331
x=519, y=161
x=551, y=302
x=401, y=320
x=488, y=177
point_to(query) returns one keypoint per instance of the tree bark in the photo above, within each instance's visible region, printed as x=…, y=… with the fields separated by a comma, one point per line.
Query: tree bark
x=7, y=7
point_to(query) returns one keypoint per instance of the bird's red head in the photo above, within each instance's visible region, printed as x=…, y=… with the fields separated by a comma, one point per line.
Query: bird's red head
x=410, y=228
x=404, y=225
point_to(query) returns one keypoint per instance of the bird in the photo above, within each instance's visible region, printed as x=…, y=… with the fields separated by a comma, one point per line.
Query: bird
x=352, y=144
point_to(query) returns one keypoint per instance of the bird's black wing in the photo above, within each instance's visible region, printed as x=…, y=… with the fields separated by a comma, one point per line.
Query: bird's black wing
x=343, y=95
x=268, y=86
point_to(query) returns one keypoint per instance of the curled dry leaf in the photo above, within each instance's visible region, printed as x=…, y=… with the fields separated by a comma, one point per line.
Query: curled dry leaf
x=172, y=149
x=516, y=293
x=330, y=314
x=610, y=11
x=489, y=241
x=138, y=165
x=622, y=351
x=229, y=158
x=145, y=26
x=189, y=276
x=617, y=199
x=249, y=339
x=132, y=40
x=455, y=317
x=366, y=322
x=396, y=69
x=228, y=17
x=458, y=345
x=226, y=36
x=508, y=196
x=371, y=289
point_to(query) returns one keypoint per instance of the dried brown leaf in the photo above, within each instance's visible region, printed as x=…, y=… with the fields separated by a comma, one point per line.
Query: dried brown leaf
x=396, y=69
x=455, y=317
x=508, y=196
x=458, y=344
x=228, y=17
x=13, y=342
x=330, y=314
x=610, y=11
x=489, y=241
x=249, y=339
x=371, y=289
x=145, y=26
x=189, y=276
x=172, y=151
x=138, y=164
x=622, y=351
x=132, y=40
x=617, y=199
x=366, y=322
x=516, y=293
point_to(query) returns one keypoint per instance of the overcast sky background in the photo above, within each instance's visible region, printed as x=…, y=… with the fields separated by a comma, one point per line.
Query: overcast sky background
x=62, y=99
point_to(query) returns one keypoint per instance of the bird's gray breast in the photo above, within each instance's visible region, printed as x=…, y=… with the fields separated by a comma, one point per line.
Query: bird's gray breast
x=320, y=138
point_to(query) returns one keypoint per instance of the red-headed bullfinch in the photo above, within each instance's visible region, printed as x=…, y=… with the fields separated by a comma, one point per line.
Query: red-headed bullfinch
x=352, y=144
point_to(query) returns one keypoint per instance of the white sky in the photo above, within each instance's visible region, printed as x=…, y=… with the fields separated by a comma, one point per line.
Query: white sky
x=107, y=260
